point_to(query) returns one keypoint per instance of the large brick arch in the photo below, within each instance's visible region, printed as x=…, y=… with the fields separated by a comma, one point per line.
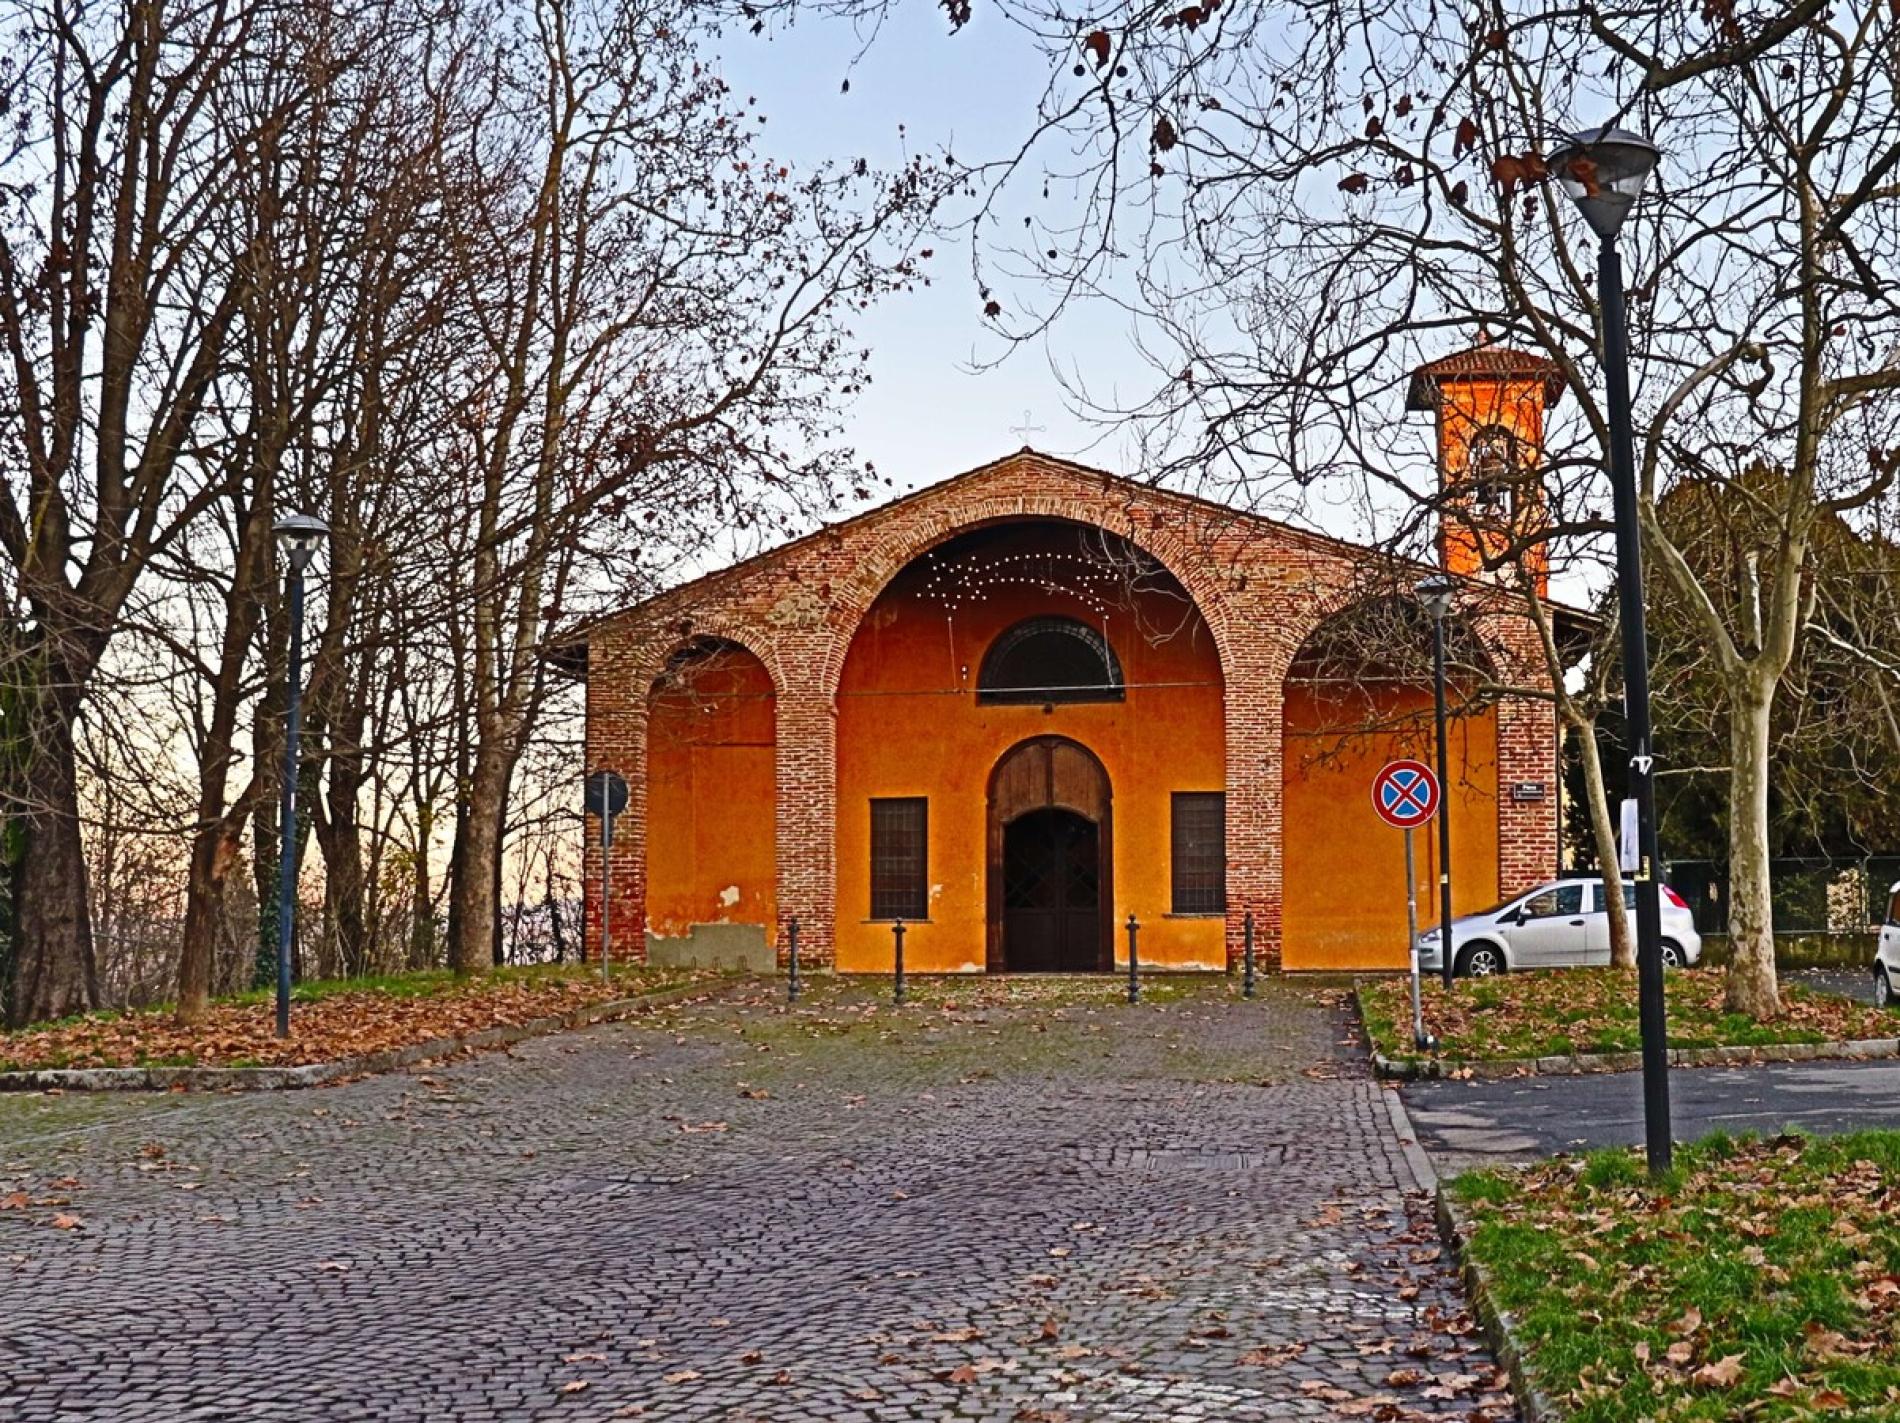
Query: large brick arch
x=869, y=578
x=1251, y=834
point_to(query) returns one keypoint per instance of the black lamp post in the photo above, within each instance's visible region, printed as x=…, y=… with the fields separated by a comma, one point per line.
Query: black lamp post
x=1435, y=593
x=1604, y=170
x=301, y=535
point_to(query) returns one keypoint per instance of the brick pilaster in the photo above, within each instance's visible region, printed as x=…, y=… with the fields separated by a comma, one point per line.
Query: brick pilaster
x=807, y=811
x=1527, y=752
x=617, y=682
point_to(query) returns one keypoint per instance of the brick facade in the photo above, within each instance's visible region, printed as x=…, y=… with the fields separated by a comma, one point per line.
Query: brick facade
x=1262, y=587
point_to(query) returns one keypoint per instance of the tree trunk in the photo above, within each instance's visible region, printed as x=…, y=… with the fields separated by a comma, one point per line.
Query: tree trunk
x=422, y=909
x=214, y=849
x=341, y=840
x=1752, y=987
x=1603, y=831
x=55, y=971
x=220, y=832
x=475, y=873
x=343, y=889
x=555, y=927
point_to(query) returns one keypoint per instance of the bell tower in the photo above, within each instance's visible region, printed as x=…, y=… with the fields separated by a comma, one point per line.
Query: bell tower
x=1490, y=403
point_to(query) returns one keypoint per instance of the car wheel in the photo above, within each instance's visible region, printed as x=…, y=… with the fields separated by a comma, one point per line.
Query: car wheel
x=1883, y=988
x=1480, y=961
x=1671, y=954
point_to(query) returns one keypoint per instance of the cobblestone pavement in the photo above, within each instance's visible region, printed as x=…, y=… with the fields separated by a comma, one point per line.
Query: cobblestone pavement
x=1008, y=1200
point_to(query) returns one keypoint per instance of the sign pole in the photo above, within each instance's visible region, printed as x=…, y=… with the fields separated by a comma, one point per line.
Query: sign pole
x=1420, y=1039
x=606, y=796
x=606, y=894
x=1406, y=795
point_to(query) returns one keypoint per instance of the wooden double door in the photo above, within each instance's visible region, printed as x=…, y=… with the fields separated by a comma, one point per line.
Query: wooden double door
x=1050, y=860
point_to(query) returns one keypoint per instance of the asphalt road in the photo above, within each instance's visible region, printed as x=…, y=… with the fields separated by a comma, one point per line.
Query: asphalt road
x=1856, y=983
x=1477, y=1123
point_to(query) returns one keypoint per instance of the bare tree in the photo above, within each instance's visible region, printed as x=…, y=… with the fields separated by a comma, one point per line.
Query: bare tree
x=116, y=313
x=659, y=308
x=1313, y=191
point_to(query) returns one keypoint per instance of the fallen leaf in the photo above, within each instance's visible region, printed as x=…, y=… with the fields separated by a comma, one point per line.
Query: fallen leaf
x=1725, y=1372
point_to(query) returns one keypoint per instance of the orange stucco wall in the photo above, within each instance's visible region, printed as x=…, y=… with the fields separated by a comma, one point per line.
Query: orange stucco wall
x=1344, y=905
x=710, y=789
x=909, y=724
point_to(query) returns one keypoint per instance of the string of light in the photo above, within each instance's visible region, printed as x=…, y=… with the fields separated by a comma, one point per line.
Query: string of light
x=969, y=581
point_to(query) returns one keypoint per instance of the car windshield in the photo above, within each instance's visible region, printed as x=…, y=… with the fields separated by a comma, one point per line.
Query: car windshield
x=1504, y=904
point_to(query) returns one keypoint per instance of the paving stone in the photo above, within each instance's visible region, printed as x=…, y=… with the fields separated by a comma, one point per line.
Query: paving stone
x=1029, y=1204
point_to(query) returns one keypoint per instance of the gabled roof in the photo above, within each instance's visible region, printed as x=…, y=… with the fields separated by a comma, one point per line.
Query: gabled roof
x=1107, y=479
x=569, y=649
x=1485, y=361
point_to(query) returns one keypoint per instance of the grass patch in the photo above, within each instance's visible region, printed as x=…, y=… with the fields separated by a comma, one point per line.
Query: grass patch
x=1760, y=1280
x=330, y=1019
x=1593, y=1010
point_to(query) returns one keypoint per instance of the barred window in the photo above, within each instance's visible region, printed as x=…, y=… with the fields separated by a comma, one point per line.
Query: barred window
x=1045, y=660
x=1200, y=852
x=899, y=858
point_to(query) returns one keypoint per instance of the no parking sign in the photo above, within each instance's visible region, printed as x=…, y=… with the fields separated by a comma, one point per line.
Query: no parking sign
x=1405, y=794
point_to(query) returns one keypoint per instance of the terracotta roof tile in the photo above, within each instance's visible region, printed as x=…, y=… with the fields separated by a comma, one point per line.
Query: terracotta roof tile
x=1487, y=360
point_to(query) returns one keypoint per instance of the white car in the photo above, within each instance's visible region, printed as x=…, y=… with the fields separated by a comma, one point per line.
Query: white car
x=1563, y=924
x=1887, y=956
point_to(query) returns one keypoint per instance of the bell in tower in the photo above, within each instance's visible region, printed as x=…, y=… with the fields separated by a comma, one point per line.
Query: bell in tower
x=1490, y=403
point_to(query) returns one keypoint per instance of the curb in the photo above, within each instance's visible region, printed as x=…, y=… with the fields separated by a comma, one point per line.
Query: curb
x=1500, y=1329
x=318, y=1074
x=1412, y=1069
x=1424, y=1174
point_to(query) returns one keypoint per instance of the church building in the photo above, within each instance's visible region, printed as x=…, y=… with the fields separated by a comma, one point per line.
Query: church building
x=1018, y=706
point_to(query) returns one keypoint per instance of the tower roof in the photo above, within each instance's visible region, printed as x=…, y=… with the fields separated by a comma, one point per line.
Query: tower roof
x=1486, y=361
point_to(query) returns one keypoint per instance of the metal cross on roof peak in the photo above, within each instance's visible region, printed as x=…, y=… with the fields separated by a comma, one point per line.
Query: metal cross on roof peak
x=1026, y=429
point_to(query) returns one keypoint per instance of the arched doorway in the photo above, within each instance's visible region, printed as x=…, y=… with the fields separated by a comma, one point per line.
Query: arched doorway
x=1051, y=858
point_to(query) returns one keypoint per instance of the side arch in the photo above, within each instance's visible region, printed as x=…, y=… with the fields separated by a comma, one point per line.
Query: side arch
x=1357, y=693
x=708, y=832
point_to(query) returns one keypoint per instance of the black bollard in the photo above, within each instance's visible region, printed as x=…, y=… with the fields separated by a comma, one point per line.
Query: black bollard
x=1246, y=975
x=897, y=983
x=791, y=960
x=1134, y=962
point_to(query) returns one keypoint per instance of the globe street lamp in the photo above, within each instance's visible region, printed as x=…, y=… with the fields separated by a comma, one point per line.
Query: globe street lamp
x=1604, y=170
x=1435, y=594
x=301, y=535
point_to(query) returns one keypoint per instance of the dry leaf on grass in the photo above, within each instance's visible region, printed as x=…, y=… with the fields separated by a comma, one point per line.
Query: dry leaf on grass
x=344, y=1022
x=1725, y=1372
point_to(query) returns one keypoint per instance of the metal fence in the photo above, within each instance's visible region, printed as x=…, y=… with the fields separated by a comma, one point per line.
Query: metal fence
x=1812, y=896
